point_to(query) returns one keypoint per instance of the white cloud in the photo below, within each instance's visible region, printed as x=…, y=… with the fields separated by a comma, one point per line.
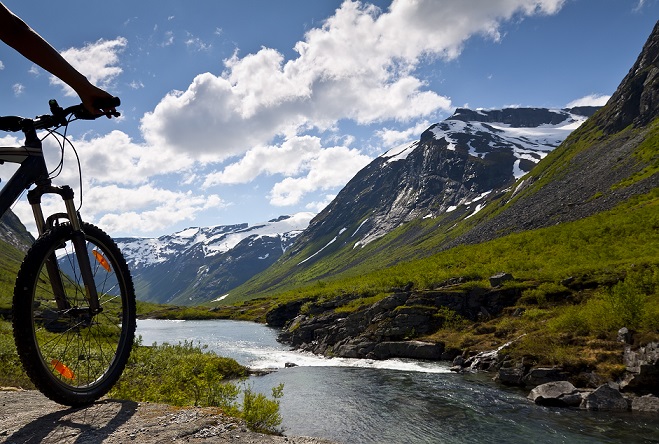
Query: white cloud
x=116, y=158
x=98, y=61
x=305, y=165
x=197, y=44
x=318, y=206
x=18, y=88
x=136, y=210
x=288, y=159
x=147, y=208
x=333, y=167
x=589, y=100
x=359, y=65
x=2, y=65
x=391, y=138
x=169, y=39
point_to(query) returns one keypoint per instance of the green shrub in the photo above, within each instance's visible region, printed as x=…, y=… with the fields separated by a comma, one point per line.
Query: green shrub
x=260, y=413
x=630, y=303
x=187, y=374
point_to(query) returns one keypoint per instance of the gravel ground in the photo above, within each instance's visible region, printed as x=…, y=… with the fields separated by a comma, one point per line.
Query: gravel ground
x=29, y=417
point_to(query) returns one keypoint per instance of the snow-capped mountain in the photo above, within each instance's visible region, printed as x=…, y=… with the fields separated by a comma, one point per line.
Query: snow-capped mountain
x=202, y=263
x=455, y=167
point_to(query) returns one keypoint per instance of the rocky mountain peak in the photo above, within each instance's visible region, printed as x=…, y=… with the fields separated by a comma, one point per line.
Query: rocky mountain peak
x=521, y=117
x=636, y=101
x=451, y=169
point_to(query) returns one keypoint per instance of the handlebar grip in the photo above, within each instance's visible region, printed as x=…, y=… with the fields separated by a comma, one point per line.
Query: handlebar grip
x=111, y=102
x=11, y=123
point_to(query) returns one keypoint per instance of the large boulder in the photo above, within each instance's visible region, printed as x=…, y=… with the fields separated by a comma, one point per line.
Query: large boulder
x=542, y=375
x=409, y=349
x=510, y=375
x=605, y=397
x=642, y=369
x=556, y=394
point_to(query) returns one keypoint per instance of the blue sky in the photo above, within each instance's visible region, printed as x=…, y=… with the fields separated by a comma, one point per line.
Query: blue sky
x=241, y=111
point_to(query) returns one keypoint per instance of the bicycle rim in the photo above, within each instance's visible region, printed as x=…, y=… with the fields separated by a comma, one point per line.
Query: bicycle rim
x=72, y=356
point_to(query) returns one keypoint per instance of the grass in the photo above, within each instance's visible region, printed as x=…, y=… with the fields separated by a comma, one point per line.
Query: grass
x=598, y=250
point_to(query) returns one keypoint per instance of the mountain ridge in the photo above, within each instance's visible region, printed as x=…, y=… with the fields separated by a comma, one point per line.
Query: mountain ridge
x=471, y=157
x=181, y=268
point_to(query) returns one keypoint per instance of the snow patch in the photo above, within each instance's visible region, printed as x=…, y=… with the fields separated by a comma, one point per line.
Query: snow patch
x=358, y=228
x=319, y=251
x=400, y=152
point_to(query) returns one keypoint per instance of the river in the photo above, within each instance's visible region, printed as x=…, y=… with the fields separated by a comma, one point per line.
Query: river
x=396, y=401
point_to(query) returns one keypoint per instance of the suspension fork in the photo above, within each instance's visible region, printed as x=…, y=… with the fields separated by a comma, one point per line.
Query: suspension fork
x=79, y=245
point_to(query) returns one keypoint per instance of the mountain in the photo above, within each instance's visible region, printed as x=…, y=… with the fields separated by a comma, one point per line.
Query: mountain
x=420, y=189
x=14, y=232
x=199, y=264
x=463, y=183
x=454, y=166
x=608, y=160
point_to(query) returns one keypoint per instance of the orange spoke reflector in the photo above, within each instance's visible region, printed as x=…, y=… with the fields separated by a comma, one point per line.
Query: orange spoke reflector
x=101, y=260
x=62, y=369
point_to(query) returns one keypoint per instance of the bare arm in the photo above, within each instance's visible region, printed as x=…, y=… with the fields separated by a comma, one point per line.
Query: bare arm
x=17, y=34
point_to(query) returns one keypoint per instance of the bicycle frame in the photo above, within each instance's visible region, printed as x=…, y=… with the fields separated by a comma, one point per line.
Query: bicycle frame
x=33, y=170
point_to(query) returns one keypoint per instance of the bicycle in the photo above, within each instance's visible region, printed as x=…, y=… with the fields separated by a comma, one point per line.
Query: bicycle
x=73, y=309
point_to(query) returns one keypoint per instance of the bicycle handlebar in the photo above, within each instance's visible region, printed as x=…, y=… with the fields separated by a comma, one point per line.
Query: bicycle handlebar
x=59, y=115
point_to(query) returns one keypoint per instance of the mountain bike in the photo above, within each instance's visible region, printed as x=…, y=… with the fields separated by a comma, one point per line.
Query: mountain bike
x=73, y=309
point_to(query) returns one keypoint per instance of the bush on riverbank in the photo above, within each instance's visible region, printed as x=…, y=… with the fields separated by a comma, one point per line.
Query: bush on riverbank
x=187, y=374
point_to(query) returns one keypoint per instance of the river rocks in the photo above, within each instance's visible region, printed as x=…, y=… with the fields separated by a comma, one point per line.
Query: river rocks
x=283, y=313
x=354, y=349
x=511, y=375
x=556, y=394
x=397, y=318
x=605, y=397
x=385, y=329
x=409, y=349
x=543, y=375
x=624, y=335
x=642, y=369
x=647, y=403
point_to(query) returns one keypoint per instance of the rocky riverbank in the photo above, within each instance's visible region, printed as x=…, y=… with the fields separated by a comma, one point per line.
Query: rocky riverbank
x=636, y=390
x=382, y=330
x=390, y=328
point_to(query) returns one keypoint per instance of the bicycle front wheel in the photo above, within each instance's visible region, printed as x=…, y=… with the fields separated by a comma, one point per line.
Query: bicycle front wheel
x=72, y=355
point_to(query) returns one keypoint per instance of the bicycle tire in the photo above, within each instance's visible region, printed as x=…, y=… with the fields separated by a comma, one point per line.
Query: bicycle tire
x=72, y=356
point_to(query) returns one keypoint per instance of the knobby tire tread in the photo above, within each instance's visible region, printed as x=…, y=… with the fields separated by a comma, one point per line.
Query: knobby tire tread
x=23, y=326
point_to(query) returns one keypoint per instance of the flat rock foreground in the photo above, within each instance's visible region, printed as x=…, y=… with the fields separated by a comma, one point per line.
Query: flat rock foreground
x=29, y=417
